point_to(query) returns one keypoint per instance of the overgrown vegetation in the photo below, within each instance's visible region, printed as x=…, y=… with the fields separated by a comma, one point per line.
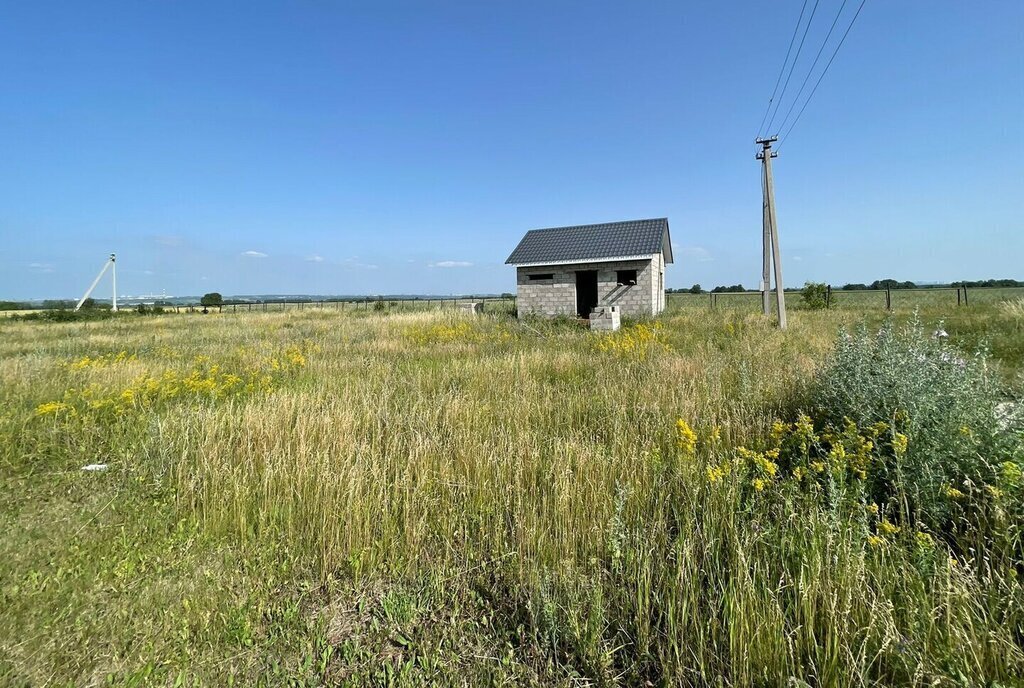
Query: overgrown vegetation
x=365, y=498
x=815, y=295
x=958, y=432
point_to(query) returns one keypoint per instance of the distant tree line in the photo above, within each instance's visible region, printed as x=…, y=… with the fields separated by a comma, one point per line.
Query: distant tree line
x=857, y=286
x=879, y=284
x=988, y=283
x=896, y=284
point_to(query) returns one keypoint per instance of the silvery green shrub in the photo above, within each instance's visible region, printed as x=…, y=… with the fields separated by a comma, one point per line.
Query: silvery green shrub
x=951, y=406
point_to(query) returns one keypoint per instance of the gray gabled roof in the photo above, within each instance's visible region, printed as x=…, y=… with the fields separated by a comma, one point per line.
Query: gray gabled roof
x=584, y=243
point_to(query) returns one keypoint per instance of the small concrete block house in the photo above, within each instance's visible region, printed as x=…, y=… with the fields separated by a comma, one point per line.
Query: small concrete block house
x=573, y=270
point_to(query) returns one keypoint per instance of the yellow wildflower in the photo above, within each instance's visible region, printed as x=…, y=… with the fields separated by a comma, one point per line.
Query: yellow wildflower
x=766, y=465
x=888, y=528
x=899, y=444
x=52, y=408
x=715, y=436
x=924, y=540
x=714, y=473
x=953, y=493
x=875, y=541
x=818, y=466
x=744, y=454
x=837, y=454
x=686, y=438
x=877, y=429
x=759, y=484
x=83, y=362
x=295, y=357
x=1010, y=472
x=637, y=341
x=803, y=424
x=779, y=430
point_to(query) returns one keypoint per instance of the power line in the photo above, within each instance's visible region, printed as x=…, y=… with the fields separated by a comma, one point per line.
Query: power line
x=792, y=66
x=818, y=82
x=810, y=71
x=778, y=80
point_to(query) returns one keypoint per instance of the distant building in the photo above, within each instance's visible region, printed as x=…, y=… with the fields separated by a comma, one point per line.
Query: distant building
x=572, y=270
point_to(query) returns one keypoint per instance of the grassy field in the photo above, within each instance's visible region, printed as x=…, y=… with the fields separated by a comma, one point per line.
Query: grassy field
x=935, y=300
x=426, y=498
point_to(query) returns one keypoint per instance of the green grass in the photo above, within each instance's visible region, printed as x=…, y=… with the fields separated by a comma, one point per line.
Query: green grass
x=422, y=498
x=862, y=301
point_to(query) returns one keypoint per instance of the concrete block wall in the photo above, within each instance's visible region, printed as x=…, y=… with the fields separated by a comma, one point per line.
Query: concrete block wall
x=557, y=296
x=633, y=300
x=658, y=284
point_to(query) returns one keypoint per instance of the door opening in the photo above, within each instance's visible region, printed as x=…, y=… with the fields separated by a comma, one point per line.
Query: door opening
x=586, y=292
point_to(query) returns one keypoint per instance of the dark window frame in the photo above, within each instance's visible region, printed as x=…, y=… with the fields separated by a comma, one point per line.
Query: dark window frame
x=626, y=277
x=542, y=277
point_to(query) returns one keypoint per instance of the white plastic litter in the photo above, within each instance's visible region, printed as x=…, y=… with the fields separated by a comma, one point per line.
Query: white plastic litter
x=941, y=334
x=95, y=467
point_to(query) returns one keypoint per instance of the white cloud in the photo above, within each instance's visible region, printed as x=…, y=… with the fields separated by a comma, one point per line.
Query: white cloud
x=451, y=264
x=254, y=254
x=314, y=259
x=40, y=267
x=797, y=258
x=353, y=263
x=696, y=253
x=148, y=272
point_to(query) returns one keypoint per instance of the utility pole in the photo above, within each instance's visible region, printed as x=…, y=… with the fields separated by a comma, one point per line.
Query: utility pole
x=766, y=251
x=771, y=233
x=109, y=264
x=113, y=277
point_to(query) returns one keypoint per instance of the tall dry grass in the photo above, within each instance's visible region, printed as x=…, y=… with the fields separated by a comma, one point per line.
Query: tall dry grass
x=543, y=470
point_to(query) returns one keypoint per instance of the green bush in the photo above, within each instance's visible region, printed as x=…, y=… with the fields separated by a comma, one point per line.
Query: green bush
x=815, y=295
x=961, y=452
x=62, y=315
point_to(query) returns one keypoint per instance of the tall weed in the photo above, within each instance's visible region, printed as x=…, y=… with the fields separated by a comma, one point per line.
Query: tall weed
x=945, y=411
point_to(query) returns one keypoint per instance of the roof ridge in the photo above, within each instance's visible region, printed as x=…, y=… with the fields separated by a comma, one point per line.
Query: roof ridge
x=600, y=240
x=599, y=224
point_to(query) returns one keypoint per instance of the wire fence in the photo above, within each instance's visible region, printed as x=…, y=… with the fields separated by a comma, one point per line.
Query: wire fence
x=490, y=303
x=858, y=299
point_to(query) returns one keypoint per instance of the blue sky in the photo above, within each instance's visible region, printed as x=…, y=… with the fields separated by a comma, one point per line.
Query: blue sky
x=385, y=147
